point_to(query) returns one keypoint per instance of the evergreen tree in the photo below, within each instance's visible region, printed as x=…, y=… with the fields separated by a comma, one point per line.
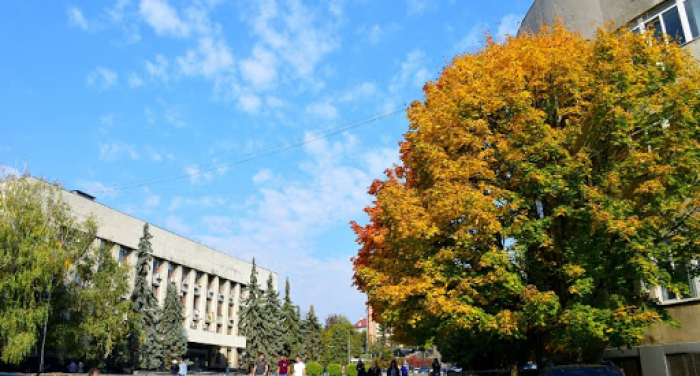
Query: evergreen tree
x=251, y=320
x=271, y=323
x=146, y=347
x=311, y=337
x=171, y=331
x=289, y=324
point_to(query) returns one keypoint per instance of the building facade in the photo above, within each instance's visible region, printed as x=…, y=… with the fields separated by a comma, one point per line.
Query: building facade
x=211, y=284
x=665, y=350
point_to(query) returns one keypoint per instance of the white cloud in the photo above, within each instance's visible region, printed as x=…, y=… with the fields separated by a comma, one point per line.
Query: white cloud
x=101, y=78
x=508, y=26
x=364, y=90
x=218, y=224
x=262, y=176
x=274, y=102
x=413, y=73
x=163, y=18
x=260, y=69
x=197, y=175
x=174, y=116
x=283, y=224
x=417, y=7
x=249, y=102
x=149, y=115
x=473, y=40
x=373, y=34
x=322, y=110
x=179, y=202
x=97, y=189
x=135, y=81
x=176, y=225
x=7, y=171
x=152, y=200
x=158, y=68
x=75, y=17
x=113, y=151
x=208, y=59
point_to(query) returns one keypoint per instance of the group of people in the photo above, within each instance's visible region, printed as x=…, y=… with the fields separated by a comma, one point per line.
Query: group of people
x=79, y=368
x=261, y=368
x=179, y=368
x=375, y=370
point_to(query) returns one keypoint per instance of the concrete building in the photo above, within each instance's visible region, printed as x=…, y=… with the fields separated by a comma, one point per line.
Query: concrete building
x=211, y=284
x=664, y=350
x=679, y=19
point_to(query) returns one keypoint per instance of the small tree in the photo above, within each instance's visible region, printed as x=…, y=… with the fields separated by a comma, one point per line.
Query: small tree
x=290, y=325
x=312, y=346
x=252, y=322
x=172, y=333
x=334, y=369
x=314, y=369
x=146, y=346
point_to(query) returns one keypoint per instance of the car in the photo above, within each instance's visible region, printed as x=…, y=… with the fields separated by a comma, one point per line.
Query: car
x=423, y=369
x=608, y=369
x=454, y=368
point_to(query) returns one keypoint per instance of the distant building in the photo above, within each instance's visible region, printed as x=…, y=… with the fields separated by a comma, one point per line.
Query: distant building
x=664, y=350
x=211, y=284
x=361, y=325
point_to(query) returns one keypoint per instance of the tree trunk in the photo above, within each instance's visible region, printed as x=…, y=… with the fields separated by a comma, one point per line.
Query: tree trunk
x=514, y=371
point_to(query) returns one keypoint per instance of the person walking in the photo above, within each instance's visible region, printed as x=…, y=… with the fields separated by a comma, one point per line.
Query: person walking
x=81, y=367
x=393, y=369
x=361, y=369
x=436, y=367
x=72, y=367
x=374, y=370
x=299, y=367
x=404, y=369
x=174, y=368
x=283, y=366
x=261, y=367
x=182, y=369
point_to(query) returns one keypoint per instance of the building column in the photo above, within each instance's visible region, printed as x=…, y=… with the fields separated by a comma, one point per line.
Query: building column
x=189, y=300
x=653, y=361
x=236, y=306
x=163, y=288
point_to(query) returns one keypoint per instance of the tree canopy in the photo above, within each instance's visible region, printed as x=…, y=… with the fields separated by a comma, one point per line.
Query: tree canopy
x=174, y=340
x=545, y=184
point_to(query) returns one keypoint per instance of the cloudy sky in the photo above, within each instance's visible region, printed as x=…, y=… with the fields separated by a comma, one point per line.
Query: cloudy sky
x=254, y=127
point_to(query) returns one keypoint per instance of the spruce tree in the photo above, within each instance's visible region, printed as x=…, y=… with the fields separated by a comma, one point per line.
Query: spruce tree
x=311, y=337
x=271, y=323
x=147, y=350
x=172, y=333
x=251, y=320
x=289, y=324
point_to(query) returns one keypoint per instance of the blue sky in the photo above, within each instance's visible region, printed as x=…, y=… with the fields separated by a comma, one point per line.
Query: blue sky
x=176, y=112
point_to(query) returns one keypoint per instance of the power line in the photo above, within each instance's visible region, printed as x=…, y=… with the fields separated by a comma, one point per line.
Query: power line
x=263, y=153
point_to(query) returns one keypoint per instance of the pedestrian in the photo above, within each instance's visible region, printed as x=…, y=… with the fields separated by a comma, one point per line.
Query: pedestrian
x=375, y=370
x=72, y=367
x=80, y=367
x=404, y=369
x=299, y=367
x=283, y=366
x=174, y=368
x=393, y=369
x=94, y=372
x=182, y=369
x=228, y=369
x=261, y=367
x=436, y=367
x=361, y=369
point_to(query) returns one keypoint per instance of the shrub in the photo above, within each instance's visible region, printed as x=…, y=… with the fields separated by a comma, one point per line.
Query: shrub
x=334, y=369
x=351, y=370
x=314, y=369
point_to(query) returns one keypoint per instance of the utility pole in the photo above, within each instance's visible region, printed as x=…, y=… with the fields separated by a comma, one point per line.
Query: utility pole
x=349, y=351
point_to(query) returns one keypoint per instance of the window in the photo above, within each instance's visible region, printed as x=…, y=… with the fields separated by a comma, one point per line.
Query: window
x=677, y=19
x=123, y=254
x=156, y=265
x=185, y=274
x=171, y=269
x=688, y=283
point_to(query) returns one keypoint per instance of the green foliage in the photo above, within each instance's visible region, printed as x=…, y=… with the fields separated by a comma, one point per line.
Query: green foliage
x=338, y=337
x=351, y=370
x=314, y=369
x=91, y=317
x=251, y=320
x=312, y=346
x=290, y=325
x=271, y=323
x=40, y=242
x=334, y=369
x=145, y=341
x=174, y=340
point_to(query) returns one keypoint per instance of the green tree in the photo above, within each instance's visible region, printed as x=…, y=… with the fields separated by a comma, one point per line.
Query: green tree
x=545, y=183
x=340, y=340
x=252, y=323
x=271, y=323
x=314, y=369
x=290, y=325
x=91, y=319
x=172, y=333
x=40, y=242
x=146, y=344
x=312, y=347
x=334, y=369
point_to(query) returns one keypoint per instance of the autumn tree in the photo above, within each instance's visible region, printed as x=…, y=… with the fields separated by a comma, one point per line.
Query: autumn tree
x=40, y=242
x=545, y=184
